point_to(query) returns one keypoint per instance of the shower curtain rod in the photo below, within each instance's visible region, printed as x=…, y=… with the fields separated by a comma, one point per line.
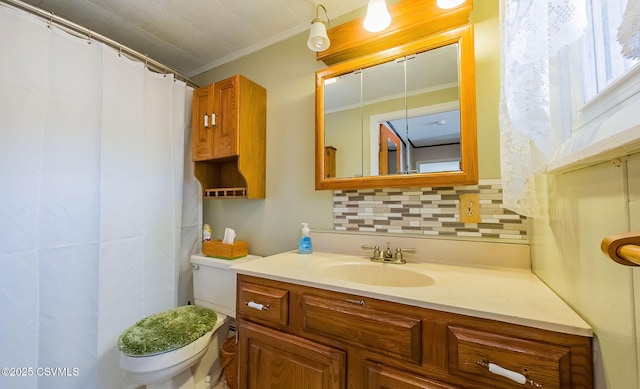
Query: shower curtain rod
x=50, y=17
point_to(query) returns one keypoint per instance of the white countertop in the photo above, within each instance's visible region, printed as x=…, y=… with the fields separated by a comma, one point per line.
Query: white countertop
x=506, y=294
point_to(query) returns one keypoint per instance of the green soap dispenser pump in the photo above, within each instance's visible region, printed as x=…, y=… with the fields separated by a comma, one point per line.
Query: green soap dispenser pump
x=305, y=246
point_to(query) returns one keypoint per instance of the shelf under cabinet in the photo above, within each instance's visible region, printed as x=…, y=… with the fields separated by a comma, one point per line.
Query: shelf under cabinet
x=227, y=193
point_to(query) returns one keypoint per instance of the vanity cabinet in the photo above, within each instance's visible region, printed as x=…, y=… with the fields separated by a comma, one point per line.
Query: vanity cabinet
x=281, y=360
x=379, y=376
x=290, y=332
x=229, y=138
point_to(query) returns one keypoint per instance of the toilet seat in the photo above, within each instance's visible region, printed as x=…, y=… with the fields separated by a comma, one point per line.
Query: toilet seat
x=167, y=331
x=197, y=364
x=156, y=368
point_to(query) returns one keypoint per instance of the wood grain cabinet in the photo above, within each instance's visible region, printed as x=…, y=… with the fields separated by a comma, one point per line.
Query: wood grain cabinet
x=329, y=162
x=294, y=336
x=229, y=138
x=379, y=376
x=201, y=117
x=274, y=359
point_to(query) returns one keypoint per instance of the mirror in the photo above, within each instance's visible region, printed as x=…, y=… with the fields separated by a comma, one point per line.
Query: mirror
x=404, y=117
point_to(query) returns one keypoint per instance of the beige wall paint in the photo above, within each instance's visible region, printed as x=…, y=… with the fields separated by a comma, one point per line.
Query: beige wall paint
x=343, y=130
x=485, y=18
x=584, y=206
x=634, y=225
x=287, y=70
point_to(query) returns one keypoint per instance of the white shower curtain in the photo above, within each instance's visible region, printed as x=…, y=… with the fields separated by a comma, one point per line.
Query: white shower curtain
x=97, y=216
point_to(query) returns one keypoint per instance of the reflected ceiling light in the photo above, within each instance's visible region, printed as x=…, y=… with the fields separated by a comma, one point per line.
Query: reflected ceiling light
x=318, y=39
x=446, y=4
x=378, y=17
x=331, y=80
x=437, y=123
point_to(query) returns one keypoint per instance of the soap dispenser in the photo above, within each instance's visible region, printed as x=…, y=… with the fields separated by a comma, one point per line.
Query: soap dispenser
x=304, y=246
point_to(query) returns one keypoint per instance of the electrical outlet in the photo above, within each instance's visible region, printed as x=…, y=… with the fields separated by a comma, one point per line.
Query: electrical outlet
x=470, y=208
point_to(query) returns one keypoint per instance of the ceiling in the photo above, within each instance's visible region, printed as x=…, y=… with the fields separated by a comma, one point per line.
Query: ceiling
x=192, y=36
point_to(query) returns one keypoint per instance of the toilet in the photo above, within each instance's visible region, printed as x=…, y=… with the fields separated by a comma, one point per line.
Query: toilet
x=197, y=364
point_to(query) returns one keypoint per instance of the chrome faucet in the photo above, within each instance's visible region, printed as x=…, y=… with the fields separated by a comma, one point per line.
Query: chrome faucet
x=387, y=256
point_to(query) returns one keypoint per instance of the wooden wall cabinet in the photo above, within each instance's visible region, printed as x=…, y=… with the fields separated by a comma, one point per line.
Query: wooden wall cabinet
x=329, y=161
x=306, y=337
x=229, y=138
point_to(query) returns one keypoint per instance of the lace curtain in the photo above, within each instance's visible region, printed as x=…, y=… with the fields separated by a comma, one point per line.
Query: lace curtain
x=531, y=32
x=629, y=32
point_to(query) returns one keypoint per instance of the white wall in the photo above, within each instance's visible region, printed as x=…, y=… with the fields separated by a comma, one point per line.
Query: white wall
x=584, y=206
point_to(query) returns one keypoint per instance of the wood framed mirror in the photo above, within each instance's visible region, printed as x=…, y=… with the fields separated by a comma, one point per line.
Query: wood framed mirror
x=402, y=117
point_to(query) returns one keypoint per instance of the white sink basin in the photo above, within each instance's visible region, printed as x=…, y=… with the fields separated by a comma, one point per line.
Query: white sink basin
x=373, y=273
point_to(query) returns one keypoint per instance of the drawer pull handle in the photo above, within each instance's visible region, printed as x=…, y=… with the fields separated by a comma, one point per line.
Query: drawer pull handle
x=259, y=307
x=510, y=374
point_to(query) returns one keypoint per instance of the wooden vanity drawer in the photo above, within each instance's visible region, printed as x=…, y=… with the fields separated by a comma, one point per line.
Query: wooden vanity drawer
x=265, y=303
x=390, y=333
x=471, y=352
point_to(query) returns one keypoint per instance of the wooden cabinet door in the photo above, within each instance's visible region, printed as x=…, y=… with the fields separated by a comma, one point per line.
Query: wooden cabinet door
x=329, y=162
x=226, y=108
x=276, y=360
x=201, y=124
x=387, y=136
x=383, y=377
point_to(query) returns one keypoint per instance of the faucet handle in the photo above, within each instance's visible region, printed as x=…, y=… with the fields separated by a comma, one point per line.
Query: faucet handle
x=399, y=251
x=376, y=251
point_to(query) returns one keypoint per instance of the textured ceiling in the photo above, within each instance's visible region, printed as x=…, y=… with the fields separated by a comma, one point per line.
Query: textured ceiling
x=192, y=36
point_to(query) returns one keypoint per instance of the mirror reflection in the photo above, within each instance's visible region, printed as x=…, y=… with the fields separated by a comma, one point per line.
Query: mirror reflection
x=398, y=117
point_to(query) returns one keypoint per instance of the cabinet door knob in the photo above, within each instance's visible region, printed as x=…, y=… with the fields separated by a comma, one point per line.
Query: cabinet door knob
x=206, y=121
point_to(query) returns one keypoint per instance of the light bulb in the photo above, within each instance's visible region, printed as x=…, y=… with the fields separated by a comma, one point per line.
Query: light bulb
x=318, y=39
x=378, y=17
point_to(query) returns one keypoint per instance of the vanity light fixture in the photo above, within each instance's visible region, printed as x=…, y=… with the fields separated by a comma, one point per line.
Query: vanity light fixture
x=378, y=17
x=318, y=39
x=446, y=4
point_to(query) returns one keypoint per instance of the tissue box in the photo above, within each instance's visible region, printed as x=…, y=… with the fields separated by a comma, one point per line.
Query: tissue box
x=215, y=248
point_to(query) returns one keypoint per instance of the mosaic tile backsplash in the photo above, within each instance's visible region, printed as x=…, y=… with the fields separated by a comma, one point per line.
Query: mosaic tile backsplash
x=427, y=211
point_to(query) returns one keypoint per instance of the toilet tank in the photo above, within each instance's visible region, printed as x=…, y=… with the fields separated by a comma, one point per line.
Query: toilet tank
x=214, y=282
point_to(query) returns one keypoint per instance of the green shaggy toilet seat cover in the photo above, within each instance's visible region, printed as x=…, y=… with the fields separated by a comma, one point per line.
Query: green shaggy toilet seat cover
x=167, y=331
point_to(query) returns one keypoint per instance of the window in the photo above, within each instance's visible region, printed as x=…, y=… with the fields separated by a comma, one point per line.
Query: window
x=434, y=167
x=602, y=57
x=594, y=92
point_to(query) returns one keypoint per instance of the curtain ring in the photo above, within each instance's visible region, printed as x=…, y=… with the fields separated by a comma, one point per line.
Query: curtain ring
x=50, y=24
x=90, y=37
